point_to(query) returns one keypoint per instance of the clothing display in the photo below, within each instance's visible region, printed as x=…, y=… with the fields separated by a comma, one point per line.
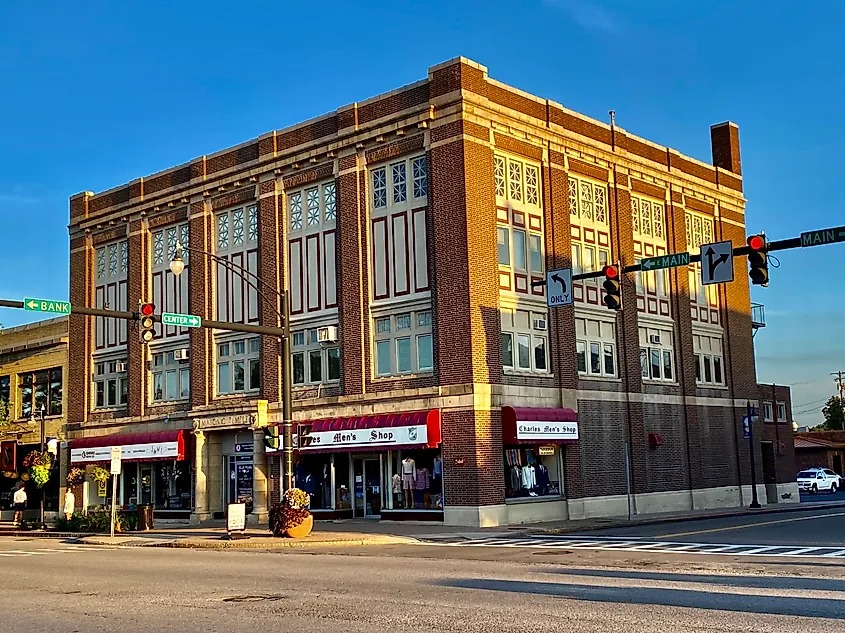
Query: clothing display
x=422, y=479
x=529, y=481
x=397, y=484
x=527, y=474
x=409, y=473
x=437, y=475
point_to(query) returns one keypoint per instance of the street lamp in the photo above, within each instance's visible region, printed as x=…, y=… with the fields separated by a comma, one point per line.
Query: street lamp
x=177, y=266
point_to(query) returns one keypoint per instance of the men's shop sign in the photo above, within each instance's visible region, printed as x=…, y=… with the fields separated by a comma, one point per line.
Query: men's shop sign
x=389, y=436
x=161, y=450
x=547, y=431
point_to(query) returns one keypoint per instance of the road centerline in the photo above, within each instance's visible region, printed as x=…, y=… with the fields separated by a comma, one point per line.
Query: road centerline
x=748, y=525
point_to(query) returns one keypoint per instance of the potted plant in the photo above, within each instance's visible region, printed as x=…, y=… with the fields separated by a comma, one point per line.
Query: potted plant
x=100, y=474
x=39, y=465
x=75, y=477
x=291, y=517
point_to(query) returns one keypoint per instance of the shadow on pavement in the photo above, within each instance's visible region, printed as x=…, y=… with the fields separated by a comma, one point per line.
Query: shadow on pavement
x=755, y=582
x=743, y=603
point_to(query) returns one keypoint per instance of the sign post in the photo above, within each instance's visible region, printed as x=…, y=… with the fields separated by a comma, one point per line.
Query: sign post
x=116, y=453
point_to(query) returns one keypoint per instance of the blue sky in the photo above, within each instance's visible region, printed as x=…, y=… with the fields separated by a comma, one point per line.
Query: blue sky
x=98, y=93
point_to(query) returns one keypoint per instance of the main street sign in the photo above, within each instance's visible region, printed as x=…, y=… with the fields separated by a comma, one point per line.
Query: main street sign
x=45, y=305
x=665, y=261
x=181, y=320
x=824, y=236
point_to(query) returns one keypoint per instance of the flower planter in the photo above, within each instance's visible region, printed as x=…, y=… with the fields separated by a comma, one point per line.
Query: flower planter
x=302, y=530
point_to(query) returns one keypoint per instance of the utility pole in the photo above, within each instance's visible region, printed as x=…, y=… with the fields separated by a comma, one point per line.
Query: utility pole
x=755, y=503
x=775, y=420
x=840, y=383
x=43, y=440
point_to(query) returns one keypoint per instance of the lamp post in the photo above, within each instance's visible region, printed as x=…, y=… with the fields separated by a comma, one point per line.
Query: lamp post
x=177, y=266
x=43, y=441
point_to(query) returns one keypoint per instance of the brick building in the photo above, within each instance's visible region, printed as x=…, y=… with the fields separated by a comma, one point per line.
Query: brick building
x=408, y=229
x=820, y=449
x=778, y=450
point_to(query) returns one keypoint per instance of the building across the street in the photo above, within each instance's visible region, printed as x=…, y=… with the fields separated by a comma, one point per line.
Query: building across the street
x=777, y=448
x=820, y=449
x=33, y=371
x=413, y=232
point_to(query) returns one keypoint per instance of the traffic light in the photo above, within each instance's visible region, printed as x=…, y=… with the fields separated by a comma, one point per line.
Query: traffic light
x=271, y=438
x=758, y=260
x=612, y=287
x=146, y=322
x=303, y=435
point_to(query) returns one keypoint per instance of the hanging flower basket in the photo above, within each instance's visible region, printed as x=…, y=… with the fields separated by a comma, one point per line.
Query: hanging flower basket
x=291, y=517
x=75, y=477
x=100, y=474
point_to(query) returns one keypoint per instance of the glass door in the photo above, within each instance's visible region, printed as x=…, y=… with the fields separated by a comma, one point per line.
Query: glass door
x=367, y=487
x=145, y=484
x=239, y=477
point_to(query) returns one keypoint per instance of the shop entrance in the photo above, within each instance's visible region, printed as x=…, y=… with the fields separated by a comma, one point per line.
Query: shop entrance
x=367, y=487
x=239, y=481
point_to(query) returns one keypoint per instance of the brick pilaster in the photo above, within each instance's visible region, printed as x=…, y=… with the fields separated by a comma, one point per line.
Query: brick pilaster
x=80, y=340
x=200, y=300
x=271, y=241
x=138, y=289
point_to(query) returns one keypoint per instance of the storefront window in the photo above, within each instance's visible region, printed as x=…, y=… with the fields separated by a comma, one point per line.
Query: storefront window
x=173, y=486
x=416, y=481
x=313, y=474
x=534, y=471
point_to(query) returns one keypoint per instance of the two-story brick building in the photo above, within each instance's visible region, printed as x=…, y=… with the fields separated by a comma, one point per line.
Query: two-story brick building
x=408, y=230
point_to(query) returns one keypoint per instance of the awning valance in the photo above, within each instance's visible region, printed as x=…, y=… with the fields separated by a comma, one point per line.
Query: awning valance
x=529, y=425
x=136, y=447
x=420, y=429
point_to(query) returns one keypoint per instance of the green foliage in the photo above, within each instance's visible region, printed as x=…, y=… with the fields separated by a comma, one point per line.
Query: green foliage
x=834, y=415
x=97, y=521
x=5, y=414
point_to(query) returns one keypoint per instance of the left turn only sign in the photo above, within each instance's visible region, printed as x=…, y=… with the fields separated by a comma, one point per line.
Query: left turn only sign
x=559, y=287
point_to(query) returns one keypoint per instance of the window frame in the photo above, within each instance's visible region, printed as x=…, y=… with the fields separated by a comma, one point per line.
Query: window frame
x=706, y=359
x=168, y=365
x=511, y=329
x=249, y=353
x=110, y=374
x=586, y=340
x=421, y=326
x=304, y=342
x=666, y=346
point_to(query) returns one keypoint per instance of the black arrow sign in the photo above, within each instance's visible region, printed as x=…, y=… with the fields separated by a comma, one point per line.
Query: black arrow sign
x=711, y=263
x=562, y=283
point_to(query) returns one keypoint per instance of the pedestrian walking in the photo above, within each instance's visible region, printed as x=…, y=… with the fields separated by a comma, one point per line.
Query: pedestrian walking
x=70, y=502
x=19, y=501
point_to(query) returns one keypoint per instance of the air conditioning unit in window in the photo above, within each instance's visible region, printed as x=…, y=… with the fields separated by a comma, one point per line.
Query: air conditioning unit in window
x=120, y=367
x=654, y=339
x=540, y=324
x=327, y=334
x=182, y=354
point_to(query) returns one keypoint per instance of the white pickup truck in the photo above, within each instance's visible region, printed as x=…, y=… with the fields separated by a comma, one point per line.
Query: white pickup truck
x=815, y=480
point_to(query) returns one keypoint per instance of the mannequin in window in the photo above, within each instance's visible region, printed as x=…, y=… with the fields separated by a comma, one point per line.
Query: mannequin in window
x=422, y=483
x=529, y=481
x=409, y=481
x=326, y=481
x=437, y=476
x=397, y=490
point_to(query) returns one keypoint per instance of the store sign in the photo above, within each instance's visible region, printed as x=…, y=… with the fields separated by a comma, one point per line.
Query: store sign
x=238, y=421
x=546, y=450
x=161, y=450
x=378, y=437
x=236, y=517
x=547, y=431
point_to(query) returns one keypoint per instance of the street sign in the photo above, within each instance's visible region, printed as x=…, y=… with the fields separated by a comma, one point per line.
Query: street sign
x=116, y=453
x=559, y=287
x=717, y=263
x=45, y=305
x=824, y=236
x=182, y=320
x=746, y=432
x=665, y=261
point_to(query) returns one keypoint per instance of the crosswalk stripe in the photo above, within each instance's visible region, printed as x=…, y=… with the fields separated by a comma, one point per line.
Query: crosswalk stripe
x=757, y=550
x=802, y=550
x=835, y=554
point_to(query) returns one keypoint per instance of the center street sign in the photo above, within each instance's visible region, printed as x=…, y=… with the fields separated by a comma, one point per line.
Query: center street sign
x=44, y=305
x=665, y=261
x=182, y=320
x=824, y=236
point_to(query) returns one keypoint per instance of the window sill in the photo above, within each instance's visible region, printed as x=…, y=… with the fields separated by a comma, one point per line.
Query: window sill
x=237, y=395
x=510, y=371
x=704, y=385
x=521, y=500
x=315, y=385
x=612, y=379
x=122, y=407
x=426, y=374
x=47, y=418
x=159, y=403
x=660, y=383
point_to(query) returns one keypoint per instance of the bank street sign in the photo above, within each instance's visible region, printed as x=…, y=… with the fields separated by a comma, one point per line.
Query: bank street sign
x=45, y=305
x=181, y=320
x=665, y=261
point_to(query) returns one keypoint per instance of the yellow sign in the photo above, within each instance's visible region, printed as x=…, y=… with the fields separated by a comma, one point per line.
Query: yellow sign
x=546, y=450
x=261, y=418
x=102, y=488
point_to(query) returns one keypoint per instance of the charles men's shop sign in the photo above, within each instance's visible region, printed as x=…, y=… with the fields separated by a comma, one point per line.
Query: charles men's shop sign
x=547, y=431
x=160, y=450
x=378, y=437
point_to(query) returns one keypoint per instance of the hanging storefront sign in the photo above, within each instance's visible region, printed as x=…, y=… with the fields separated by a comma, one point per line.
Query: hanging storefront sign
x=375, y=438
x=161, y=450
x=8, y=456
x=546, y=431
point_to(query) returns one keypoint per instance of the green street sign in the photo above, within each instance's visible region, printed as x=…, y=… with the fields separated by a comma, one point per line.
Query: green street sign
x=45, y=305
x=824, y=236
x=665, y=261
x=182, y=320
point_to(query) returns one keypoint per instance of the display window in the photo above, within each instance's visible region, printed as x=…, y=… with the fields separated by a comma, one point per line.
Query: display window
x=533, y=472
x=164, y=485
x=416, y=480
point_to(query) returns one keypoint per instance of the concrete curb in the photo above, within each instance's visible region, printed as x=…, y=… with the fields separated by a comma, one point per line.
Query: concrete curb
x=681, y=519
x=261, y=542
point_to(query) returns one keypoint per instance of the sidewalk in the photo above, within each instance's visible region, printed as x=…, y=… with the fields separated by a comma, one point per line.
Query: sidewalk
x=357, y=532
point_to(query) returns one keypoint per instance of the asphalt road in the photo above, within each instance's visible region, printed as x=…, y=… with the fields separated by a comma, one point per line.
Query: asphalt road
x=823, y=497
x=819, y=527
x=52, y=586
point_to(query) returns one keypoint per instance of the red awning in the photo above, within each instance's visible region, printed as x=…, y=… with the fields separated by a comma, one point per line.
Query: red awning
x=151, y=440
x=335, y=436
x=530, y=425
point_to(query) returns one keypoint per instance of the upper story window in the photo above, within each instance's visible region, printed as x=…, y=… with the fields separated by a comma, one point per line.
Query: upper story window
x=524, y=340
x=312, y=218
x=767, y=412
x=649, y=224
x=595, y=344
x=704, y=300
x=399, y=229
x=519, y=215
x=236, y=241
x=111, y=384
x=39, y=389
x=314, y=362
x=402, y=343
x=170, y=292
x=709, y=360
x=238, y=365
x=171, y=377
x=5, y=388
x=590, y=228
x=657, y=354
x=110, y=292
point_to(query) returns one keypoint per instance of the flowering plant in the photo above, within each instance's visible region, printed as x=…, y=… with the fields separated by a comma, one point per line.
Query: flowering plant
x=100, y=474
x=75, y=477
x=39, y=465
x=292, y=511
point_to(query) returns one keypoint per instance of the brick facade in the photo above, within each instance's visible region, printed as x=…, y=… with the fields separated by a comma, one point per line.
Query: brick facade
x=459, y=119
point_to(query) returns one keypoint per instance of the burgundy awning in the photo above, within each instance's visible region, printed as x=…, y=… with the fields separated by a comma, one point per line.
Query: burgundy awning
x=137, y=447
x=419, y=429
x=530, y=425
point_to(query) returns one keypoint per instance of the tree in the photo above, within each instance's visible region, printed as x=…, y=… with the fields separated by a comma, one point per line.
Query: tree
x=834, y=414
